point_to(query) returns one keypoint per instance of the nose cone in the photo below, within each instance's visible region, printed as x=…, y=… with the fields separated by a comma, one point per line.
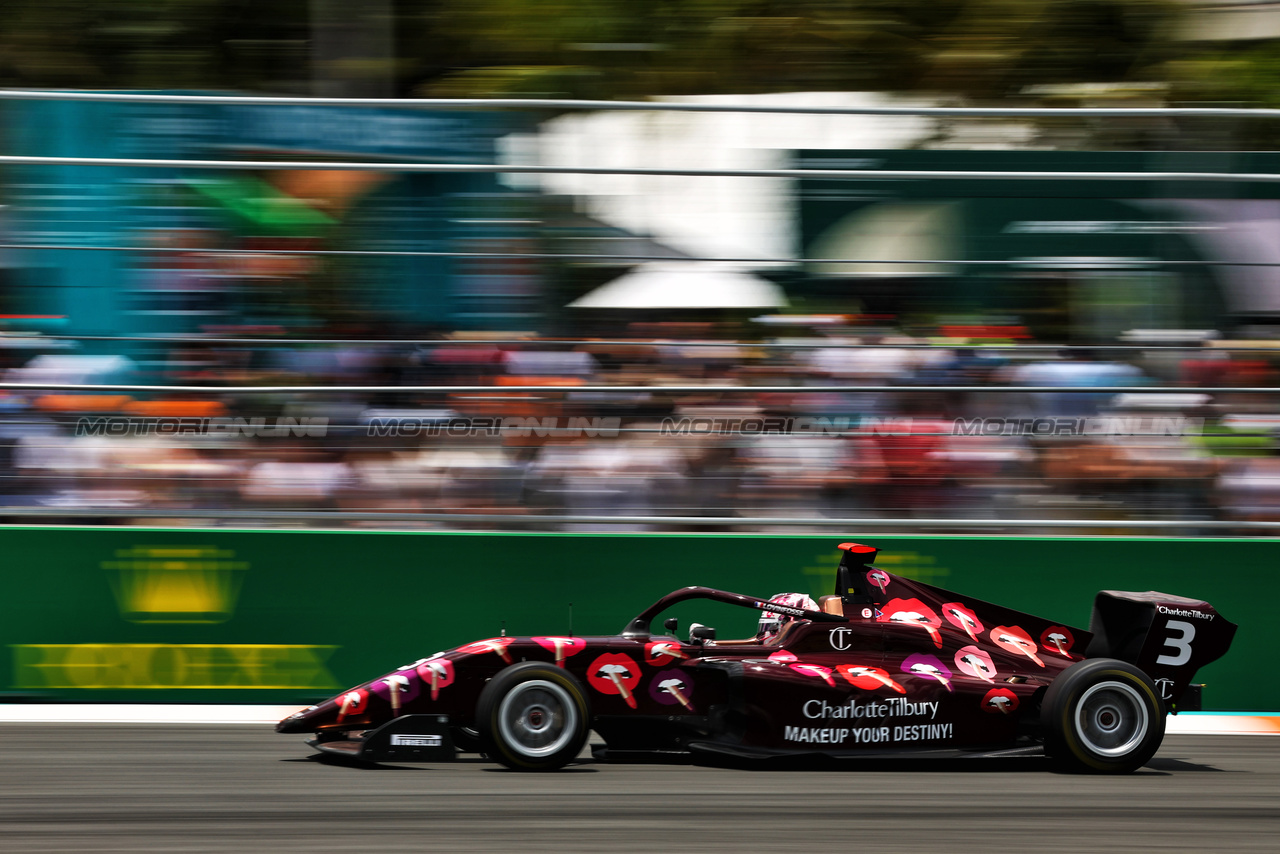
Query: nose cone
x=310, y=719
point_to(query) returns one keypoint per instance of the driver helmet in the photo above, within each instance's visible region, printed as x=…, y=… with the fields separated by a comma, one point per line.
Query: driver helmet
x=771, y=623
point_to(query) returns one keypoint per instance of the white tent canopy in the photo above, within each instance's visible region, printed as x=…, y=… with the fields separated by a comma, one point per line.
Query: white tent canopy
x=893, y=231
x=686, y=284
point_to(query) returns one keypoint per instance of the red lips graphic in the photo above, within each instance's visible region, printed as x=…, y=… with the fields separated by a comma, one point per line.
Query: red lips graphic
x=670, y=687
x=662, y=653
x=913, y=612
x=1060, y=640
x=878, y=578
x=436, y=672
x=616, y=674
x=1017, y=641
x=783, y=656
x=1000, y=700
x=495, y=645
x=868, y=678
x=963, y=619
x=353, y=703
x=395, y=685
x=562, y=647
x=929, y=667
x=976, y=662
x=823, y=673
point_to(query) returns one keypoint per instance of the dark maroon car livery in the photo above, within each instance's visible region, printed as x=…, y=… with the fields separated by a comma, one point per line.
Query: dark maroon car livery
x=887, y=665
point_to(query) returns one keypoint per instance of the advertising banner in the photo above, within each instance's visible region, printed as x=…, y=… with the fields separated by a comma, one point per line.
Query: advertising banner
x=152, y=615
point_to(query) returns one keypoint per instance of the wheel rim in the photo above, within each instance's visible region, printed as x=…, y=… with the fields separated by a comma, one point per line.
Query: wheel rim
x=1112, y=718
x=537, y=718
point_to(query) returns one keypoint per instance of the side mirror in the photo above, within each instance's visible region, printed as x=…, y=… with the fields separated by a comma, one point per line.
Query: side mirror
x=671, y=624
x=699, y=633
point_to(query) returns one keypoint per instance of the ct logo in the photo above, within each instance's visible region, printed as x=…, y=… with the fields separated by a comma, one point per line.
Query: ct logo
x=840, y=639
x=1165, y=686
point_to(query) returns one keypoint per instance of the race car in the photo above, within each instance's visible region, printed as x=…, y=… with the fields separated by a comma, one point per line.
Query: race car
x=885, y=665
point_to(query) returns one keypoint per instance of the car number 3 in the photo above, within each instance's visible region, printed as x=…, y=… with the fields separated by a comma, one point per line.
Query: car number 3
x=1181, y=645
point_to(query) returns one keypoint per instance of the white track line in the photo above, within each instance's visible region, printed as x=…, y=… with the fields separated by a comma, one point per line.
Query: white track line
x=131, y=713
x=1223, y=723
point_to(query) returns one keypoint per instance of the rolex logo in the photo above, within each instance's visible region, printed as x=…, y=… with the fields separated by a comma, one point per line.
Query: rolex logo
x=175, y=584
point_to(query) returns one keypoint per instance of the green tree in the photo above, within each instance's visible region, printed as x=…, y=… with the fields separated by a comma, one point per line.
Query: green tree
x=983, y=49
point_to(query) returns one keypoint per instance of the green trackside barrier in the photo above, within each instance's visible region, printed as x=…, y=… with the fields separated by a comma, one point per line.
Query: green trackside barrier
x=165, y=615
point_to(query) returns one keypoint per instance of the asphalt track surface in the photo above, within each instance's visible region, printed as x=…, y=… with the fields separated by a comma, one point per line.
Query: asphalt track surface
x=150, y=788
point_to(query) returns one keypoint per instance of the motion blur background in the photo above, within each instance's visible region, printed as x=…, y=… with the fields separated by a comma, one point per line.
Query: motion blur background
x=877, y=316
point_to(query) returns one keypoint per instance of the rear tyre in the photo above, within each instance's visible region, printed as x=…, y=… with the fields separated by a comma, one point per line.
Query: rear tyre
x=533, y=717
x=1102, y=716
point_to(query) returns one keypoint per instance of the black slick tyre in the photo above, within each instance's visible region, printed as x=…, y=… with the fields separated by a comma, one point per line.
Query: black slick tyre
x=533, y=717
x=1102, y=716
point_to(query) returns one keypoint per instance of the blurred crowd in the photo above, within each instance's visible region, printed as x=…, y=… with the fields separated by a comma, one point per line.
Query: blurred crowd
x=868, y=424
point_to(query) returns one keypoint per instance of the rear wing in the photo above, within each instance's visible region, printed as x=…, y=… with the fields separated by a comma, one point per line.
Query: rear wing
x=1167, y=637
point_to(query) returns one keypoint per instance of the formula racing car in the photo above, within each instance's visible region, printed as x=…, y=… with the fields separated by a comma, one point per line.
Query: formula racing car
x=883, y=665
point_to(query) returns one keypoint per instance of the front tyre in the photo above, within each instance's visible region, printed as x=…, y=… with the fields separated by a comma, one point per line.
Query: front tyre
x=533, y=717
x=1102, y=716
x=466, y=739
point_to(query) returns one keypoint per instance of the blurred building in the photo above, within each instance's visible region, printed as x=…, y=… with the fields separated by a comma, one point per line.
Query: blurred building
x=169, y=218
x=1082, y=261
x=1086, y=260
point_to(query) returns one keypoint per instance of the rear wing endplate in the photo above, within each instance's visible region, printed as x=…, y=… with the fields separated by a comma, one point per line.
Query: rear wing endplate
x=1167, y=637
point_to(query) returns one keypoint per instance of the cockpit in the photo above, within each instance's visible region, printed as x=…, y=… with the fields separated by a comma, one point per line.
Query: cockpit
x=855, y=578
